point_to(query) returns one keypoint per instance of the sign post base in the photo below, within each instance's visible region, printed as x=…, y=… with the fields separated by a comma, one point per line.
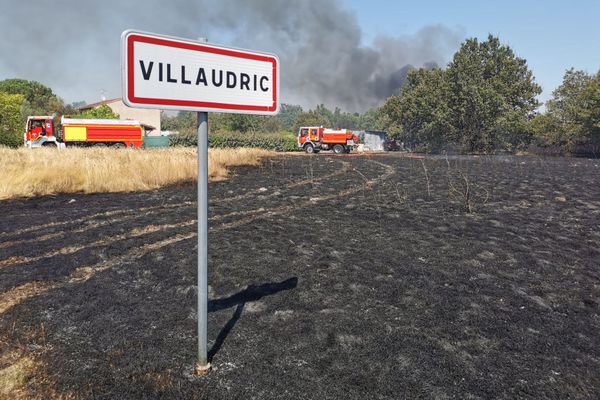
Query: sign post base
x=202, y=370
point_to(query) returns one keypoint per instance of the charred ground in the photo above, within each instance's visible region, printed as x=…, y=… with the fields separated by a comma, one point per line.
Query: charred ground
x=330, y=277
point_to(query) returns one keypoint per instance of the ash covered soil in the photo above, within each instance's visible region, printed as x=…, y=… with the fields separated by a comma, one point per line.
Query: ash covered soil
x=354, y=277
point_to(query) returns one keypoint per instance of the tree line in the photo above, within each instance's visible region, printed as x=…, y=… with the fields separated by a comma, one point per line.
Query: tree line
x=484, y=100
x=288, y=120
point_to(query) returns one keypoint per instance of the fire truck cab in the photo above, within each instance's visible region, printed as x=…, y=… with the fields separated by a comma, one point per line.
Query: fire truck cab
x=40, y=131
x=313, y=139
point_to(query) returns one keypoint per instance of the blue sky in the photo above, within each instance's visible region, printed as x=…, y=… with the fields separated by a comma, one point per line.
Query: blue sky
x=551, y=35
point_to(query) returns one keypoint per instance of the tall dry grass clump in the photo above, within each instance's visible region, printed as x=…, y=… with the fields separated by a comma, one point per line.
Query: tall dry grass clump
x=27, y=173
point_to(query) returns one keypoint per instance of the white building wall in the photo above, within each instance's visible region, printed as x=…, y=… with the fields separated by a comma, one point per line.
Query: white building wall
x=145, y=116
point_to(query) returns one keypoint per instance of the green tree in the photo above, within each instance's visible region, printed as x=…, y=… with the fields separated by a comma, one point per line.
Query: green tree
x=492, y=94
x=325, y=114
x=322, y=116
x=184, y=122
x=11, y=125
x=311, y=118
x=242, y=123
x=573, y=114
x=102, y=112
x=271, y=124
x=374, y=119
x=188, y=120
x=421, y=114
x=344, y=120
x=590, y=110
x=39, y=99
x=287, y=116
x=548, y=130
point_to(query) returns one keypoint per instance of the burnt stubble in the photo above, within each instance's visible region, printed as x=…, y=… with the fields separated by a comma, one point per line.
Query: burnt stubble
x=358, y=277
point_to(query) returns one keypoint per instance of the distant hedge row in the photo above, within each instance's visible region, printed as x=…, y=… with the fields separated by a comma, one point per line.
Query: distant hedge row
x=224, y=141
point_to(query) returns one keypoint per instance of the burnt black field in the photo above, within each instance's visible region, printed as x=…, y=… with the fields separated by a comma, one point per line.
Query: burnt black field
x=331, y=277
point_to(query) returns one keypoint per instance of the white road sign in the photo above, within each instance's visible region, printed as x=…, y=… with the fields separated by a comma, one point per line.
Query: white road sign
x=172, y=73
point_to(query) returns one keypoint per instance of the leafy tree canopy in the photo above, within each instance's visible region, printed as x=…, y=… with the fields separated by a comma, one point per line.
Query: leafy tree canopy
x=374, y=120
x=573, y=114
x=102, y=112
x=421, y=112
x=481, y=101
x=287, y=116
x=311, y=118
x=491, y=92
x=39, y=99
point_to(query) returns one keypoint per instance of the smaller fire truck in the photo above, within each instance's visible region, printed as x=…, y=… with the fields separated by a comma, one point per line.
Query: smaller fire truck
x=313, y=139
x=41, y=131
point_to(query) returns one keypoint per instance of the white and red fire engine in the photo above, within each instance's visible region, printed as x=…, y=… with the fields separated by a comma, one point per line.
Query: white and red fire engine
x=313, y=139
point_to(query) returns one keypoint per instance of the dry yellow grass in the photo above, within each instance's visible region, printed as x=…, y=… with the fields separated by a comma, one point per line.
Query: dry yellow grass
x=15, y=376
x=27, y=173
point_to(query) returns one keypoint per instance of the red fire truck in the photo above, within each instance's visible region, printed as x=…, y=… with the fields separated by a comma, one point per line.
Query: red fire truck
x=313, y=139
x=42, y=131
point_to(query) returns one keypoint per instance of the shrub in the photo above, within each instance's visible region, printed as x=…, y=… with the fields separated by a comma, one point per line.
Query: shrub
x=11, y=126
x=279, y=142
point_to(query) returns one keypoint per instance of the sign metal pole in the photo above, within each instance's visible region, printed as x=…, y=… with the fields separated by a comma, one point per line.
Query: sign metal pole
x=202, y=365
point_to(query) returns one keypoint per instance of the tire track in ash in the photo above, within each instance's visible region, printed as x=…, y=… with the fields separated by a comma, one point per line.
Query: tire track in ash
x=110, y=213
x=91, y=226
x=16, y=295
x=99, y=224
x=29, y=290
x=390, y=170
x=151, y=211
x=133, y=233
x=345, y=168
x=108, y=239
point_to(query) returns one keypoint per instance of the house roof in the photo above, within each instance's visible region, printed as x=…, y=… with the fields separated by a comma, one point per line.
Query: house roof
x=148, y=127
x=98, y=104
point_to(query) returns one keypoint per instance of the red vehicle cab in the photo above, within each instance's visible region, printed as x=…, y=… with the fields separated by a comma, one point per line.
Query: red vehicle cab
x=39, y=127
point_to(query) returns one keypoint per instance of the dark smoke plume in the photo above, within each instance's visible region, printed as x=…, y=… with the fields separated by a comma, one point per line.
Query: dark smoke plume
x=73, y=45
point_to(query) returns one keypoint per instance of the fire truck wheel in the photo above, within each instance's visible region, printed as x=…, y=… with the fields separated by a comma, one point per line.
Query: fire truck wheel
x=309, y=148
x=119, y=146
x=338, y=149
x=99, y=145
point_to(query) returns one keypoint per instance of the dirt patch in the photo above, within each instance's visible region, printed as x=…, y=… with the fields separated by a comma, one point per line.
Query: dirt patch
x=14, y=376
x=331, y=277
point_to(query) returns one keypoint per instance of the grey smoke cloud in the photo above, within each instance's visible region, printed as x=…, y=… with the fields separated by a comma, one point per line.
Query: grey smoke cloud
x=73, y=45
